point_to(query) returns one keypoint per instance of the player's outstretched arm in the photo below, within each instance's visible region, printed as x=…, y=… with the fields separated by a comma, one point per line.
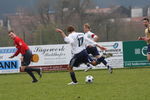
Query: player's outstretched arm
x=102, y=48
x=66, y=38
x=11, y=56
x=146, y=39
x=93, y=42
x=143, y=38
x=61, y=32
x=16, y=53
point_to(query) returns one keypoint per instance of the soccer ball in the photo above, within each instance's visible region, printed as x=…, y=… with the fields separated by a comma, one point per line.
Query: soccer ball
x=89, y=79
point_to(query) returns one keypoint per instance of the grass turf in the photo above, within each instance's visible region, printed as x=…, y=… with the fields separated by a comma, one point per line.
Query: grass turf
x=123, y=84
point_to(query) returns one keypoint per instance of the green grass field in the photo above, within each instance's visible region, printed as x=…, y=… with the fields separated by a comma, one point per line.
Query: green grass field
x=123, y=84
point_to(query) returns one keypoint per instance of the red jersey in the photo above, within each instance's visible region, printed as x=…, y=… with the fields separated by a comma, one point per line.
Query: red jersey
x=21, y=46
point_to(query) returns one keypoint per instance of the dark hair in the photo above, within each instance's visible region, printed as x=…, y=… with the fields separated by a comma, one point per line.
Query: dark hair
x=146, y=19
x=70, y=29
x=10, y=31
x=87, y=26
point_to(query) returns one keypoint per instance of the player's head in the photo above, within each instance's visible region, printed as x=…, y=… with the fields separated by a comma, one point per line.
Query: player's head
x=146, y=22
x=86, y=27
x=70, y=29
x=11, y=34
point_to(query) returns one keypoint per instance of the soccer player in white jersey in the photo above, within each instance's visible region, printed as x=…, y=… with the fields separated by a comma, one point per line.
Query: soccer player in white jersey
x=78, y=45
x=91, y=49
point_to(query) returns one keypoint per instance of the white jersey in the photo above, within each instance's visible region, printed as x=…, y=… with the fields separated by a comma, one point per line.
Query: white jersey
x=90, y=36
x=78, y=42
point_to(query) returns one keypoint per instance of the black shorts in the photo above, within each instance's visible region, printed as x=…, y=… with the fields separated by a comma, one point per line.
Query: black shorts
x=148, y=49
x=80, y=58
x=93, y=51
x=26, y=58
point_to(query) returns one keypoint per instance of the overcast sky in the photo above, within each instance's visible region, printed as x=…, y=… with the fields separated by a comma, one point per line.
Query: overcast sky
x=134, y=3
x=9, y=6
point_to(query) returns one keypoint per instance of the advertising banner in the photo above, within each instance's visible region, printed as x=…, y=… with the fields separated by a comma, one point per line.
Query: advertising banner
x=57, y=57
x=8, y=65
x=135, y=54
x=116, y=61
x=116, y=48
x=52, y=57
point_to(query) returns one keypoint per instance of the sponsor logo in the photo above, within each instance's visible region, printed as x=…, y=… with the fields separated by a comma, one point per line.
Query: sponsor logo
x=45, y=50
x=10, y=50
x=144, y=51
x=115, y=45
x=4, y=65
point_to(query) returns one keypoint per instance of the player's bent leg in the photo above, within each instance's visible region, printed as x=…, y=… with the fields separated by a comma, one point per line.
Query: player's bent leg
x=29, y=71
x=98, y=56
x=102, y=59
x=70, y=68
x=22, y=68
x=26, y=61
x=94, y=63
x=38, y=70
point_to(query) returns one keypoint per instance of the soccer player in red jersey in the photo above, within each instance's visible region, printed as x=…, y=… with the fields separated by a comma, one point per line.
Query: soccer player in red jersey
x=26, y=53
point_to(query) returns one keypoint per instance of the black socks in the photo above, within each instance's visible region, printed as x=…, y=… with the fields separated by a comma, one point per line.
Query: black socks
x=29, y=71
x=101, y=59
x=73, y=77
